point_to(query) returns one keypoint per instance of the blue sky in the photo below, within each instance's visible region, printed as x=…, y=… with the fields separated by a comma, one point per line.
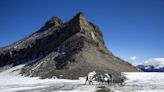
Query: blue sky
x=131, y=28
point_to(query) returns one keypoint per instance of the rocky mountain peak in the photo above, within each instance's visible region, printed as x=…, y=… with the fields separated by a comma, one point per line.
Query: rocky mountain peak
x=79, y=16
x=79, y=19
x=80, y=23
x=55, y=21
x=72, y=49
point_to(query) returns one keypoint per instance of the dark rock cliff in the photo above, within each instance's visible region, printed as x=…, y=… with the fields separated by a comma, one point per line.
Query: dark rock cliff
x=64, y=49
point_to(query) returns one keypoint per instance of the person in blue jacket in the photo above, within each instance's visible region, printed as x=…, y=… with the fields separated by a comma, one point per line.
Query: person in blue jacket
x=101, y=78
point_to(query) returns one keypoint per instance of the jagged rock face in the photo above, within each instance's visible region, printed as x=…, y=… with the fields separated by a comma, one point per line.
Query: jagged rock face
x=68, y=50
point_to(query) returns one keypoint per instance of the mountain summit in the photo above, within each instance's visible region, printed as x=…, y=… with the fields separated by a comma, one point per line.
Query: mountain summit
x=64, y=49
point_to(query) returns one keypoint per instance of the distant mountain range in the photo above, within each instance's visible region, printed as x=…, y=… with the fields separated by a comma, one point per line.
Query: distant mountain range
x=152, y=66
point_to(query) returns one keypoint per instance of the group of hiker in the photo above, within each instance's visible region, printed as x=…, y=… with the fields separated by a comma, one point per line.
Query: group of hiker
x=101, y=77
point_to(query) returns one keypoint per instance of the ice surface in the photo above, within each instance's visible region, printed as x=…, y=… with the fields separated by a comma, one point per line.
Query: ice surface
x=142, y=82
x=12, y=81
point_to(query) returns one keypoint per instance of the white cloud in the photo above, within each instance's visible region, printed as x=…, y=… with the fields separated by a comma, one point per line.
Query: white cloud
x=133, y=58
x=157, y=62
x=133, y=61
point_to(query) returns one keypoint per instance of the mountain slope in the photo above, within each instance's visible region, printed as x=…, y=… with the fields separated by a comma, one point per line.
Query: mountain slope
x=64, y=49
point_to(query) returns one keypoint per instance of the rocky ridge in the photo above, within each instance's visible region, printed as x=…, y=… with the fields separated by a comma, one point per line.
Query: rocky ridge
x=65, y=50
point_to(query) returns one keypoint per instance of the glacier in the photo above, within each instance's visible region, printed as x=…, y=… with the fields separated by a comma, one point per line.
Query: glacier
x=142, y=82
x=12, y=81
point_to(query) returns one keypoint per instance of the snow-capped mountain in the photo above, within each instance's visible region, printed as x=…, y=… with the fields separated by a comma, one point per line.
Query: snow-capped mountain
x=153, y=65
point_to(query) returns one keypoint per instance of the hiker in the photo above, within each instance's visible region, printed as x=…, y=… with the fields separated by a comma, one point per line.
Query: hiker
x=101, y=78
x=86, y=79
x=111, y=78
x=90, y=77
x=107, y=78
x=122, y=79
